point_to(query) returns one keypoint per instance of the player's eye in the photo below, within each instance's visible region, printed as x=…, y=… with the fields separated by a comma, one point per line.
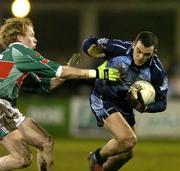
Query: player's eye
x=138, y=51
x=147, y=54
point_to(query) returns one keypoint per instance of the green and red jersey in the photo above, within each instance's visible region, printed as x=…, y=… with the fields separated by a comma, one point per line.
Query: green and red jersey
x=19, y=63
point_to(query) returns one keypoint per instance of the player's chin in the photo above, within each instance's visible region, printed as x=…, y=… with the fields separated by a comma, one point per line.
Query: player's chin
x=139, y=63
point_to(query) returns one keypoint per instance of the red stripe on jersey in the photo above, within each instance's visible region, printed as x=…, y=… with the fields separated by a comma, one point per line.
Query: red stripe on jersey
x=5, y=68
x=21, y=79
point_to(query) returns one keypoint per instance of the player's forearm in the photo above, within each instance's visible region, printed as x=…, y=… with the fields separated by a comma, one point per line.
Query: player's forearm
x=158, y=106
x=69, y=72
x=56, y=82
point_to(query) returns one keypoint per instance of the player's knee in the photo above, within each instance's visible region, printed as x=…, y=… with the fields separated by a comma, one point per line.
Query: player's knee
x=26, y=160
x=128, y=142
x=48, y=144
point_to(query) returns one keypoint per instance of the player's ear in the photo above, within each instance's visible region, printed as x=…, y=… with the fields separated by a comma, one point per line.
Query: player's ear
x=155, y=51
x=19, y=38
x=133, y=44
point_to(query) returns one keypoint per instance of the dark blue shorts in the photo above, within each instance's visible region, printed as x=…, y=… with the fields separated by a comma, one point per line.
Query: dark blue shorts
x=103, y=108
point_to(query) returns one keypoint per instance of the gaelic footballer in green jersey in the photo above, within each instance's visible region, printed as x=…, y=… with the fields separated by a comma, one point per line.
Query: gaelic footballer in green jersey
x=17, y=61
x=21, y=67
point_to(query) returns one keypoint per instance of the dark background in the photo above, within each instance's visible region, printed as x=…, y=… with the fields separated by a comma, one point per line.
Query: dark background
x=59, y=29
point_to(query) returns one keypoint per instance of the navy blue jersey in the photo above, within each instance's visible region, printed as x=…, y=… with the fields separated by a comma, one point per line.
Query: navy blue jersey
x=119, y=54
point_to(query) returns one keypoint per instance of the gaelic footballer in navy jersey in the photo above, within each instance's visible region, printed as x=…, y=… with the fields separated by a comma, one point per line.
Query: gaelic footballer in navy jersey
x=136, y=60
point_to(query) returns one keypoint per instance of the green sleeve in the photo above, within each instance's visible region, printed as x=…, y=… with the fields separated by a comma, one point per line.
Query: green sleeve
x=34, y=84
x=29, y=60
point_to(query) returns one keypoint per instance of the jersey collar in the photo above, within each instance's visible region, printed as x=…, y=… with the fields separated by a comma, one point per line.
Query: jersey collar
x=15, y=43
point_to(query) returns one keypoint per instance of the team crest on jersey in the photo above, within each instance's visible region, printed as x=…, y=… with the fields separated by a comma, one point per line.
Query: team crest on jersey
x=37, y=54
x=44, y=61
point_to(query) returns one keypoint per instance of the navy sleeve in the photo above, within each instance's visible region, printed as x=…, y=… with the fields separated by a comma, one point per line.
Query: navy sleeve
x=113, y=47
x=160, y=83
x=117, y=47
x=159, y=105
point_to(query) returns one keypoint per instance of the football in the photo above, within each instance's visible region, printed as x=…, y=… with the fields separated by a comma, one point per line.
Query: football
x=145, y=88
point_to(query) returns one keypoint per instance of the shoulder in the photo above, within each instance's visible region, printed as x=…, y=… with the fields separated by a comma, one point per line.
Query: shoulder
x=17, y=45
x=19, y=48
x=157, y=65
x=159, y=74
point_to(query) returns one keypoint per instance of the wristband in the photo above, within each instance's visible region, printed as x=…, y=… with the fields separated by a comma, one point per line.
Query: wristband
x=93, y=73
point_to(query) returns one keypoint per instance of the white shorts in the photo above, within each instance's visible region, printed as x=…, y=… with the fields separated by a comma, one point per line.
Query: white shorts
x=10, y=118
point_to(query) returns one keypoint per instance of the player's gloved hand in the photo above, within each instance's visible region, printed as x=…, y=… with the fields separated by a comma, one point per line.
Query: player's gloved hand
x=74, y=60
x=136, y=103
x=106, y=73
x=96, y=51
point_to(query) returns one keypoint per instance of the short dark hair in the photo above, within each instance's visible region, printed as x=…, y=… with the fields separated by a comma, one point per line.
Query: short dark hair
x=147, y=38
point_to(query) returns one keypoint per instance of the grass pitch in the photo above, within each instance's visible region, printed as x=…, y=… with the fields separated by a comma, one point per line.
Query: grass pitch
x=71, y=155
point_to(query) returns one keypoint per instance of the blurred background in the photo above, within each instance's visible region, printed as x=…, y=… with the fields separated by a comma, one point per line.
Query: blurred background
x=61, y=26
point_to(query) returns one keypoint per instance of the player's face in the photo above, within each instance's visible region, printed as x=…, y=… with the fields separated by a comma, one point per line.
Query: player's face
x=141, y=54
x=29, y=39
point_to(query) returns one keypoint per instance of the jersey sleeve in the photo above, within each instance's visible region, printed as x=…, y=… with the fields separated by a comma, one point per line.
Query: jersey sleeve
x=29, y=60
x=160, y=83
x=160, y=103
x=112, y=47
x=34, y=84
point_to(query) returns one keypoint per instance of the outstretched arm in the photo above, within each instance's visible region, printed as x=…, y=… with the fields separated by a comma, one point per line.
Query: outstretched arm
x=102, y=72
x=28, y=60
x=56, y=81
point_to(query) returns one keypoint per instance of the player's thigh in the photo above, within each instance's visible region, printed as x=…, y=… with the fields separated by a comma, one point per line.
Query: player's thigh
x=34, y=133
x=118, y=126
x=15, y=144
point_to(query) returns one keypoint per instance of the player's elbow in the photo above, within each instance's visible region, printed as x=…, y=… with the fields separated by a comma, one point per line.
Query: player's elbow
x=164, y=108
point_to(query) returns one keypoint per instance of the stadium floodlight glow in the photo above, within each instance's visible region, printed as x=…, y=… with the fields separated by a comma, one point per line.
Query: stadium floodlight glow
x=20, y=8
